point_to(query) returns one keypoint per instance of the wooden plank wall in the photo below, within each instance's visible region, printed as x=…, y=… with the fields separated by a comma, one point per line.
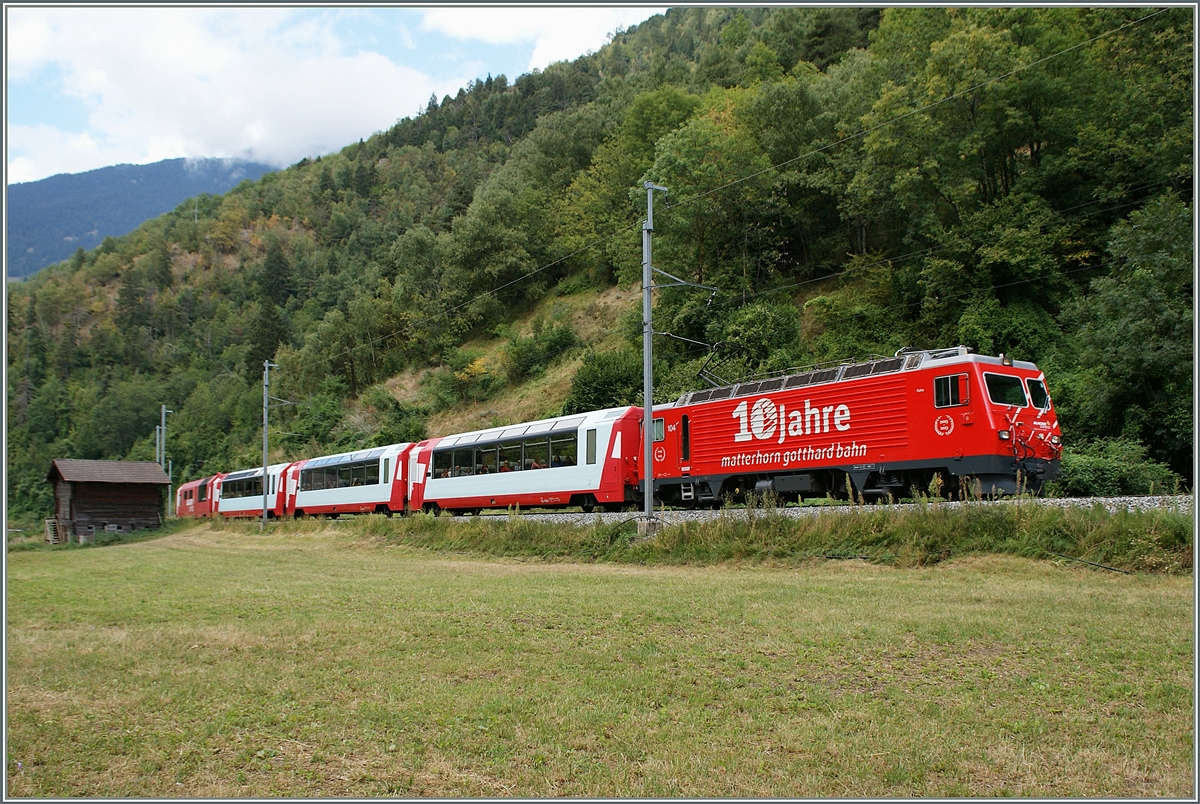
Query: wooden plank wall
x=129, y=506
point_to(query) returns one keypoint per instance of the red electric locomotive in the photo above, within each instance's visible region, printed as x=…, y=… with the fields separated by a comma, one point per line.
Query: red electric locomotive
x=884, y=427
x=198, y=498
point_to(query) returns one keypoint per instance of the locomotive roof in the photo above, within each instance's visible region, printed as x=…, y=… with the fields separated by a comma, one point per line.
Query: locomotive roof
x=904, y=360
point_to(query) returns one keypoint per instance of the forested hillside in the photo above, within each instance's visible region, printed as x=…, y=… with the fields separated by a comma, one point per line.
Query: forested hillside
x=49, y=219
x=853, y=181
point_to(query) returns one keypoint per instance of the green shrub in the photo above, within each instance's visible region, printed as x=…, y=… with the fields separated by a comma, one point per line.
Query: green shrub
x=1106, y=467
x=467, y=377
x=529, y=357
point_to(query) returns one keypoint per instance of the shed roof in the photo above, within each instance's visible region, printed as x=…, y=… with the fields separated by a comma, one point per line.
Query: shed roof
x=74, y=471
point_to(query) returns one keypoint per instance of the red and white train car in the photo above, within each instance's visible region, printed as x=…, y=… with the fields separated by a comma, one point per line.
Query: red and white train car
x=588, y=460
x=887, y=426
x=240, y=494
x=198, y=498
x=360, y=482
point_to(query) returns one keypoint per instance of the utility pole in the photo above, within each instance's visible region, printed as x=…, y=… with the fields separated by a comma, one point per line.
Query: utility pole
x=647, y=524
x=162, y=451
x=267, y=366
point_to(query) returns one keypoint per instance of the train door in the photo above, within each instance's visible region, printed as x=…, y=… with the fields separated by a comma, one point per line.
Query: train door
x=394, y=472
x=952, y=406
x=291, y=487
x=671, y=444
x=418, y=467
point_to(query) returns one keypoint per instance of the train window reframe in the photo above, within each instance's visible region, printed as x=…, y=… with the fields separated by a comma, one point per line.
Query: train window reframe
x=951, y=391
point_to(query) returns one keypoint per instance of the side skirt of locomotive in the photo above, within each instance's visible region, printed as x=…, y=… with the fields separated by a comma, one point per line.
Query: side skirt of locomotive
x=974, y=476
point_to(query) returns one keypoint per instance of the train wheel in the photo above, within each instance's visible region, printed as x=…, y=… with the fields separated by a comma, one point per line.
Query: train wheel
x=432, y=508
x=588, y=503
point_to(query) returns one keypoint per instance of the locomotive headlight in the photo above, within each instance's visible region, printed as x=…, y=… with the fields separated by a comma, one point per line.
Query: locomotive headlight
x=1004, y=435
x=1055, y=440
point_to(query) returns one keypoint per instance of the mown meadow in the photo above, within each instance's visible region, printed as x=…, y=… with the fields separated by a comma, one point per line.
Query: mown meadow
x=418, y=658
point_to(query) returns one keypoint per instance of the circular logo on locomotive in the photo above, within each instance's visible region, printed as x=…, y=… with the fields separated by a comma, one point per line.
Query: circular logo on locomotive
x=660, y=454
x=764, y=418
x=943, y=425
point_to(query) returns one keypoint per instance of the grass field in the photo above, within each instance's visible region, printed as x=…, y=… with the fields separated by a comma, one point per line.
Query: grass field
x=330, y=661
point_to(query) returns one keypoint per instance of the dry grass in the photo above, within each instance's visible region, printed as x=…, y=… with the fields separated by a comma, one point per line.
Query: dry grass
x=594, y=317
x=315, y=662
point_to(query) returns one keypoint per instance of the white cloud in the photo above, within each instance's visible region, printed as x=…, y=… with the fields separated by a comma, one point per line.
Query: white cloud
x=558, y=33
x=28, y=43
x=162, y=83
x=274, y=84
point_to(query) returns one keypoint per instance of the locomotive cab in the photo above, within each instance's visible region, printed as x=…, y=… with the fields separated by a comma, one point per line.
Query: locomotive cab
x=1022, y=416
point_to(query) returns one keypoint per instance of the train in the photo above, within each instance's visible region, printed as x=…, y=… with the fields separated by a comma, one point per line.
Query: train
x=923, y=420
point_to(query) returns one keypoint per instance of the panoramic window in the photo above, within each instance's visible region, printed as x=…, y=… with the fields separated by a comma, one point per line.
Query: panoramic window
x=537, y=453
x=510, y=457
x=564, y=449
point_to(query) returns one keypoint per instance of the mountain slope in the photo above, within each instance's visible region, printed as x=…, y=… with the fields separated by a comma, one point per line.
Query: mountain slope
x=50, y=218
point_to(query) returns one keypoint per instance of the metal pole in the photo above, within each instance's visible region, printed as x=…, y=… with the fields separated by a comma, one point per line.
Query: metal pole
x=162, y=454
x=267, y=366
x=266, y=386
x=170, y=482
x=648, y=525
x=161, y=457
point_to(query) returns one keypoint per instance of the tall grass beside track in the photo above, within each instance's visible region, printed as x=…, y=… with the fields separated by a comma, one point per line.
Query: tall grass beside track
x=1154, y=540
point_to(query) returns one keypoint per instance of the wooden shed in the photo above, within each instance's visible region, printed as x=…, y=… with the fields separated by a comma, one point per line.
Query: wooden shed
x=91, y=496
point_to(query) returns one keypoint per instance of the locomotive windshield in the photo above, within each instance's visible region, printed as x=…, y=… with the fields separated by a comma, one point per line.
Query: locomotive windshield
x=1038, y=395
x=1005, y=389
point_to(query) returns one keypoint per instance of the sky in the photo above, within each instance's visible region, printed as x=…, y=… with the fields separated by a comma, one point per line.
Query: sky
x=92, y=86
